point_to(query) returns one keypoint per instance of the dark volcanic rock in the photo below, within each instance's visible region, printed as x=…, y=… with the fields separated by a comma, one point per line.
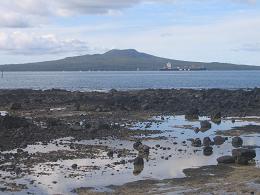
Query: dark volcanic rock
x=216, y=118
x=137, y=144
x=208, y=150
x=74, y=166
x=196, y=142
x=219, y=140
x=138, y=161
x=226, y=159
x=205, y=125
x=207, y=141
x=237, y=142
x=138, y=165
x=192, y=114
x=243, y=155
x=141, y=148
x=11, y=122
x=16, y=106
x=110, y=154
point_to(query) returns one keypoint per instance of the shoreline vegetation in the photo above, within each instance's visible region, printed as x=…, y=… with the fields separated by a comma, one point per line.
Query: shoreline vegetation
x=29, y=117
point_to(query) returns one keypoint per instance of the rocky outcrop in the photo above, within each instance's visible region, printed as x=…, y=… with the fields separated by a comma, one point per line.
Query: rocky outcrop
x=11, y=122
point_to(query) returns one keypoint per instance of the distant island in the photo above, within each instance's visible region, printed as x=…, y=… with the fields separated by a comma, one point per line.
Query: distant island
x=121, y=60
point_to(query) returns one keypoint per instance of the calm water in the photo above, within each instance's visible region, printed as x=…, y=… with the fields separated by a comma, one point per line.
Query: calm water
x=87, y=81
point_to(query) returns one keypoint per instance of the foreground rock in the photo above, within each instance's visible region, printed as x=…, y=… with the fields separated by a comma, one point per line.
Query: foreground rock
x=144, y=149
x=243, y=156
x=196, y=142
x=226, y=159
x=192, y=114
x=219, y=140
x=237, y=142
x=205, y=125
x=138, y=165
x=208, y=150
x=207, y=141
x=216, y=118
x=240, y=156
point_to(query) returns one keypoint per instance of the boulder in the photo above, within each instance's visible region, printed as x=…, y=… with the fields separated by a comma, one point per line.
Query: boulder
x=138, y=165
x=137, y=144
x=110, y=154
x=219, y=140
x=243, y=155
x=208, y=150
x=74, y=166
x=237, y=142
x=192, y=114
x=226, y=159
x=196, y=142
x=207, y=141
x=138, y=161
x=216, y=118
x=141, y=147
x=205, y=125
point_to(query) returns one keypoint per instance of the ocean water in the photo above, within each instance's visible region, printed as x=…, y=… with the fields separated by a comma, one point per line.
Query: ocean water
x=130, y=80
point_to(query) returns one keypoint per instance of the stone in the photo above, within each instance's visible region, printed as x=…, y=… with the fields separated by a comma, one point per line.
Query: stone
x=137, y=144
x=216, y=118
x=205, y=125
x=237, y=142
x=196, y=142
x=207, y=141
x=110, y=153
x=138, y=165
x=226, y=160
x=219, y=140
x=243, y=155
x=208, y=150
x=192, y=114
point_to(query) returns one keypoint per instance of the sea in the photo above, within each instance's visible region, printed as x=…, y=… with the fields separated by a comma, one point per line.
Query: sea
x=130, y=80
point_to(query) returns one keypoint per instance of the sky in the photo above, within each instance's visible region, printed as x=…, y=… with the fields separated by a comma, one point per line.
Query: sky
x=194, y=30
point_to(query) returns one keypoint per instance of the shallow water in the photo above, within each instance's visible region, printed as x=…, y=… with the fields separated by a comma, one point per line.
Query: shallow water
x=161, y=164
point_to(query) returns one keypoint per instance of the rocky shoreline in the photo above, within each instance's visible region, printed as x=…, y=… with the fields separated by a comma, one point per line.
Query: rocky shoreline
x=31, y=117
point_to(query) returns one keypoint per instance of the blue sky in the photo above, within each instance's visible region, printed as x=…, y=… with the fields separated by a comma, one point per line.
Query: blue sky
x=198, y=30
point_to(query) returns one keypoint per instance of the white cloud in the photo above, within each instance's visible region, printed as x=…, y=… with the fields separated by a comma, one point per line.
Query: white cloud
x=25, y=13
x=34, y=44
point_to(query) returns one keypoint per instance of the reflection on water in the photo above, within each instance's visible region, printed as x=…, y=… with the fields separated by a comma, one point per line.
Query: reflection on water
x=167, y=158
